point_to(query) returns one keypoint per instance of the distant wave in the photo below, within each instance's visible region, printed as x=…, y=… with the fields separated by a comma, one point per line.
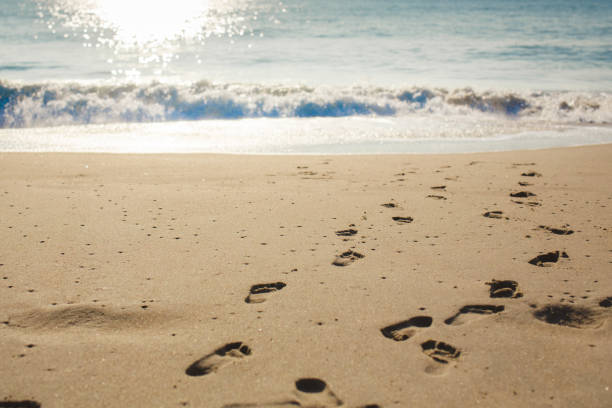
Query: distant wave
x=55, y=104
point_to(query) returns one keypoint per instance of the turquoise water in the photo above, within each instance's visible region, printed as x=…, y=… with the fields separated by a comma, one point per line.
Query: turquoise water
x=352, y=73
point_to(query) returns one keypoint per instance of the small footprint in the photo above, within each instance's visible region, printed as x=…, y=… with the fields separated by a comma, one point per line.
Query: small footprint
x=531, y=174
x=443, y=354
x=346, y=233
x=403, y=220
x=548, y=258
x=504, y=289
x=494, y=214
x=389, y=205
x=346, y=258
x=257, y=292
x=462, y=317
x=522, y=194
x=315, y=393
x=557, y=231
x=218, y=358
x=437, y=197
x=309, y=393
x=607, y=302
x=528, y=203
x=406, y=329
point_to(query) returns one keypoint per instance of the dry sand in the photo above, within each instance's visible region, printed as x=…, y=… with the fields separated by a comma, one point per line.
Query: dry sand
x=292, y=281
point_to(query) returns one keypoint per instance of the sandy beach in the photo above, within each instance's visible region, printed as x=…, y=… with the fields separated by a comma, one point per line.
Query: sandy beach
x=306, y=281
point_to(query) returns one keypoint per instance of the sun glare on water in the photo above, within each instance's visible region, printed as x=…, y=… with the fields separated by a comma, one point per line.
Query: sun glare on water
x=146, y=31
x=138, y=22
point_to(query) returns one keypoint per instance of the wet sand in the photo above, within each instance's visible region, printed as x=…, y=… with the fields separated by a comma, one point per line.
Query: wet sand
x=306, y=281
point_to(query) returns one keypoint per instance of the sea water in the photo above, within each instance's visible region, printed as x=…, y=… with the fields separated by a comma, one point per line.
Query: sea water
x=308, y=76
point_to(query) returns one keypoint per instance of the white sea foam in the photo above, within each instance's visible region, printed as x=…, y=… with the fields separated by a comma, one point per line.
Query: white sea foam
x=57, y=104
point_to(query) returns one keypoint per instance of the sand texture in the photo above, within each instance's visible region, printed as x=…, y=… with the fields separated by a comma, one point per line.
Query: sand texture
x=306, y=281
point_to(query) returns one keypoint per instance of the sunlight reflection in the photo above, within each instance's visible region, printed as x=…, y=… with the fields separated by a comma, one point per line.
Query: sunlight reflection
x=149, y=31
x=139, y=22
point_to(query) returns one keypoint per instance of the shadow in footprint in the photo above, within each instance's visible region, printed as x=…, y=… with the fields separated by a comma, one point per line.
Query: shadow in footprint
x=19, y=404
x=346, y=233
x=403, y=220
x=309, y=393
x=406, y=329
x=493, y=214
x=443, y=354
x=548, y=258
x=257, y=292
x=522, y=194
x=531, y=174
x=568, y=315
x=557, y=231
x=218, y=358
x=314, y=392
x=437, y=197
x=439, y=351
x=607, y=302
x=504, y=289
x=389, y=205
x=464, y=314
x=346, y=258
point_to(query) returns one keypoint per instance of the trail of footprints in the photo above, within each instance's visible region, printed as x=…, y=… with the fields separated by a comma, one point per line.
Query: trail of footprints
x=443, y=354
x=314, y=392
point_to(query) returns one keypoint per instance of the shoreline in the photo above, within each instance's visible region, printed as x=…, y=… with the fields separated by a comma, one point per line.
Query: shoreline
x=207, y=280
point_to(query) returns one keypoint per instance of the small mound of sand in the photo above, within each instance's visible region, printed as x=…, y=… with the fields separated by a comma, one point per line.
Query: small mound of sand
x=81, y=316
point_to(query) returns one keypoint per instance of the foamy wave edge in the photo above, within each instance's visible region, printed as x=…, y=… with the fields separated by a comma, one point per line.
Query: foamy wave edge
x=57, y=104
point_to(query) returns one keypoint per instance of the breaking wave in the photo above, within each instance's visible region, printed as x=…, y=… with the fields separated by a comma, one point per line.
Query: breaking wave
x=57, y=104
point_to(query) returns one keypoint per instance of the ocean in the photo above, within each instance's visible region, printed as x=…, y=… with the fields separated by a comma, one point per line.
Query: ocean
x=308, y=76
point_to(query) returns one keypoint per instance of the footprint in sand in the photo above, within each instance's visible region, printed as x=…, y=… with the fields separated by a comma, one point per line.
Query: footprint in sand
x=257, y=292
x=406, y=329
x=437, y=197
x=390, y=205
x=222, y=356
x=443, y=355
x=607, y=302
x=494, y=214
x=309, y=393
x=470, y=312
x=548, y=258
x=19, y=404
x=314, y=392
x=346, y=258
x=522, y=194
x=531, y=174
x=528, y=203
x=557, y=231
x=346, y=233
x=578, y=317
x=403, y=220
x=504, y=289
